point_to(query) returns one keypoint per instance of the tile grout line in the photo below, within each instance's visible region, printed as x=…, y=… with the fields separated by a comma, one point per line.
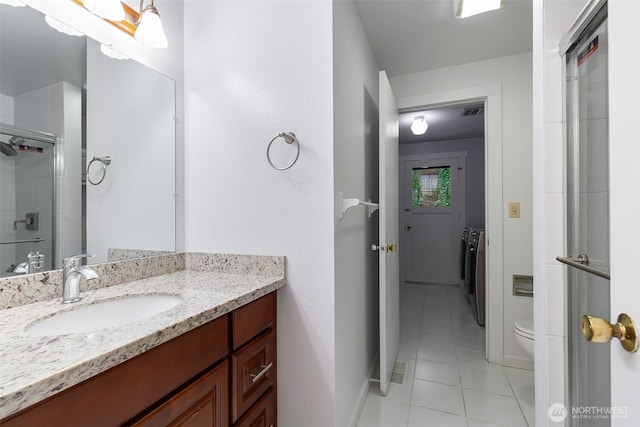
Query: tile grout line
x=526, y=421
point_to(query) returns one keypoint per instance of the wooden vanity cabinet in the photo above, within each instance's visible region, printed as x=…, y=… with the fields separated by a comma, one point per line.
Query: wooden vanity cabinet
x=120, y=393
x=253, y=361
x=205, y=402
x=219, y=374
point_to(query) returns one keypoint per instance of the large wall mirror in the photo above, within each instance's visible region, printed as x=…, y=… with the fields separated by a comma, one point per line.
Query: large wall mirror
x=87, y=162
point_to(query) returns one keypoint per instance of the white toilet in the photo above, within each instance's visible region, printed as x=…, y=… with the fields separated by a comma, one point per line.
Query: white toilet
x=524, y=334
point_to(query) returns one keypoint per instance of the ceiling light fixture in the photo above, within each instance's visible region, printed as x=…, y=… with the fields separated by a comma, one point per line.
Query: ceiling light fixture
x=14, y=3
x=62, y=27
x=466, y=8
x=107, y=9
x=149, y=31
x=419, y=125
x=109, y=51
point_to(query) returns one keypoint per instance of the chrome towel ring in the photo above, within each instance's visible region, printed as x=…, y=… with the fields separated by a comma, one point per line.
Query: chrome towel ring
x=289, y=138
x=104, y=162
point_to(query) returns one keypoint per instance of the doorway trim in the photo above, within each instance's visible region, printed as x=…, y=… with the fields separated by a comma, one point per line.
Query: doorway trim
x=492, y=97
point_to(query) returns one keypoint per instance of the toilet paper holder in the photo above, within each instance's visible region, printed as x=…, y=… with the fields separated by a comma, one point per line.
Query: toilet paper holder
x=522, y=285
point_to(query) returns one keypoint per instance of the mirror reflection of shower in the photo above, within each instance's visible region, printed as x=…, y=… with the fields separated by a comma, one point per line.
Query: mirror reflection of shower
x=8, y=148
x=27, y=179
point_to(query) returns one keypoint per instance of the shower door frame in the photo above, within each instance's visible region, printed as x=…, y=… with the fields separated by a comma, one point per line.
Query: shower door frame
x=589, y=365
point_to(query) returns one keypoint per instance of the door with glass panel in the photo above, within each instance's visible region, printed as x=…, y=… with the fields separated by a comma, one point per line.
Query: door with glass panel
x=432, y=218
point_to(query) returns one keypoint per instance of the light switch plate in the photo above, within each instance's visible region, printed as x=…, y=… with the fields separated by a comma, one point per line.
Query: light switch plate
x=514, y=209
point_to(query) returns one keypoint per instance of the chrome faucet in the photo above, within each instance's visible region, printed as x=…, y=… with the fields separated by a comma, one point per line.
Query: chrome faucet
x=72, y=270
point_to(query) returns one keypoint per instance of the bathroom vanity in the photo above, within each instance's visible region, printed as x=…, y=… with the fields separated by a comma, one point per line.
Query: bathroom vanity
x=210, y=361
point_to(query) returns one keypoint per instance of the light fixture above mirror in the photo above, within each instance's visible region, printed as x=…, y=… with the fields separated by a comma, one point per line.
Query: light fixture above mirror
x=145, y=25
x=466, y=8
x=107, y=9
x=62, y=27
x=150, y=31
x=14, y=3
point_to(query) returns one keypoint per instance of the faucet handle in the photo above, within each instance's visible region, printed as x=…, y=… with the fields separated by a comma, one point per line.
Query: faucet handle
x=74, y=261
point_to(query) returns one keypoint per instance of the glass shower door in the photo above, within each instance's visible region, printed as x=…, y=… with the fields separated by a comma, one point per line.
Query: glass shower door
x=27, y=174
x=587, y=128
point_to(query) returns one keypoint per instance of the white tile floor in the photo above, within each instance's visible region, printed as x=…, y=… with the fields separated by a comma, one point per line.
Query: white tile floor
x=447, y=383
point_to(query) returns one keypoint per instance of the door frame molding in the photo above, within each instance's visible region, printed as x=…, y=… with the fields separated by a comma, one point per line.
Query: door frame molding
x=491, y=95
x=462, y=158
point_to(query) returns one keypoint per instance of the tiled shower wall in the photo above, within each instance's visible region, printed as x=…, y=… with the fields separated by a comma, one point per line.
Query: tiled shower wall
x=7, y=189
x=552, y=19
x=55, y=109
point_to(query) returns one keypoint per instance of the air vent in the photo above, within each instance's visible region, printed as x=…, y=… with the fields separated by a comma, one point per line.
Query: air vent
x=474, y=111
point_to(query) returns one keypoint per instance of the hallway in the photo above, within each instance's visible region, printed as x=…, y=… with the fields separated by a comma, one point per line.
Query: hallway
x=447, y=381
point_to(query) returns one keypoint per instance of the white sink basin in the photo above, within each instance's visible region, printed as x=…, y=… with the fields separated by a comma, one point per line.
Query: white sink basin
x=104, y=314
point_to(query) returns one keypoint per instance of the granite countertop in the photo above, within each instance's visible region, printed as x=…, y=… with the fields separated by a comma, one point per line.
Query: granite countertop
x=34, y=368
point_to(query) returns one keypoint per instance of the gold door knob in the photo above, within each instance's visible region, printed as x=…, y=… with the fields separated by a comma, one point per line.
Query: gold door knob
x=392, y=248
x=597, y=329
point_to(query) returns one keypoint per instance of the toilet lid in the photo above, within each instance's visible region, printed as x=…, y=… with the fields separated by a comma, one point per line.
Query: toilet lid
x=524, y=327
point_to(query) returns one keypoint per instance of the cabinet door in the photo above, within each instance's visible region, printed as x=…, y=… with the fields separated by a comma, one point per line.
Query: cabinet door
x=203, y=403
x=253, y=372
x=262, y=414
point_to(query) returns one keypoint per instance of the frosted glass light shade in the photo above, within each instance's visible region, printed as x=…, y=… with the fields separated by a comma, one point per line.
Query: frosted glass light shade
x=107, y=9
x=150, y=31
x=14, y=3
x=419, y=126
x=62, y=27
x=111, y=52
x=466, y=8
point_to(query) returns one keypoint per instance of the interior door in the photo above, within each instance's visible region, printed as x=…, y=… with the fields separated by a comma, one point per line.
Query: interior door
x=624, y=157
x=432, y=199
x=389, y=225
x=602, y=205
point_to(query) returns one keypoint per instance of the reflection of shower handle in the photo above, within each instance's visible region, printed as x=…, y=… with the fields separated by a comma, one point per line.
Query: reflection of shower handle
x=21, y=221
x=31, y=221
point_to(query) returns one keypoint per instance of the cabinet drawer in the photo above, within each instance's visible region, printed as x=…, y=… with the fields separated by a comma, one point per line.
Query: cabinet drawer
x=203, y=403
x=253, y=318
x=252, y=373
x=262, y=414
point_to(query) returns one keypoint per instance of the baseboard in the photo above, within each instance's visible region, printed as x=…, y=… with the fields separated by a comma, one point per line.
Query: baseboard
x=362, y=395
x=518, y=362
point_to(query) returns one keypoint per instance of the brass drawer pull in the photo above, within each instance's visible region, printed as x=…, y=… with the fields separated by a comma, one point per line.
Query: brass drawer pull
x=265, y=369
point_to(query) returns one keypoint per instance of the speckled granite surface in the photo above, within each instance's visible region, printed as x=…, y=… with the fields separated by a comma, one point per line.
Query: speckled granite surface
x=30, y=288
x=114, y=254
x=33, y=368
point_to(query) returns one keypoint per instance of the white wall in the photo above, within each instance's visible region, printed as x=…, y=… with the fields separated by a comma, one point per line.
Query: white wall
x=253, y=69
x=513, y=73
x=552, y=19
x=6, y=109
x=69, y=217
x=130, y=117
x=355, y=156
